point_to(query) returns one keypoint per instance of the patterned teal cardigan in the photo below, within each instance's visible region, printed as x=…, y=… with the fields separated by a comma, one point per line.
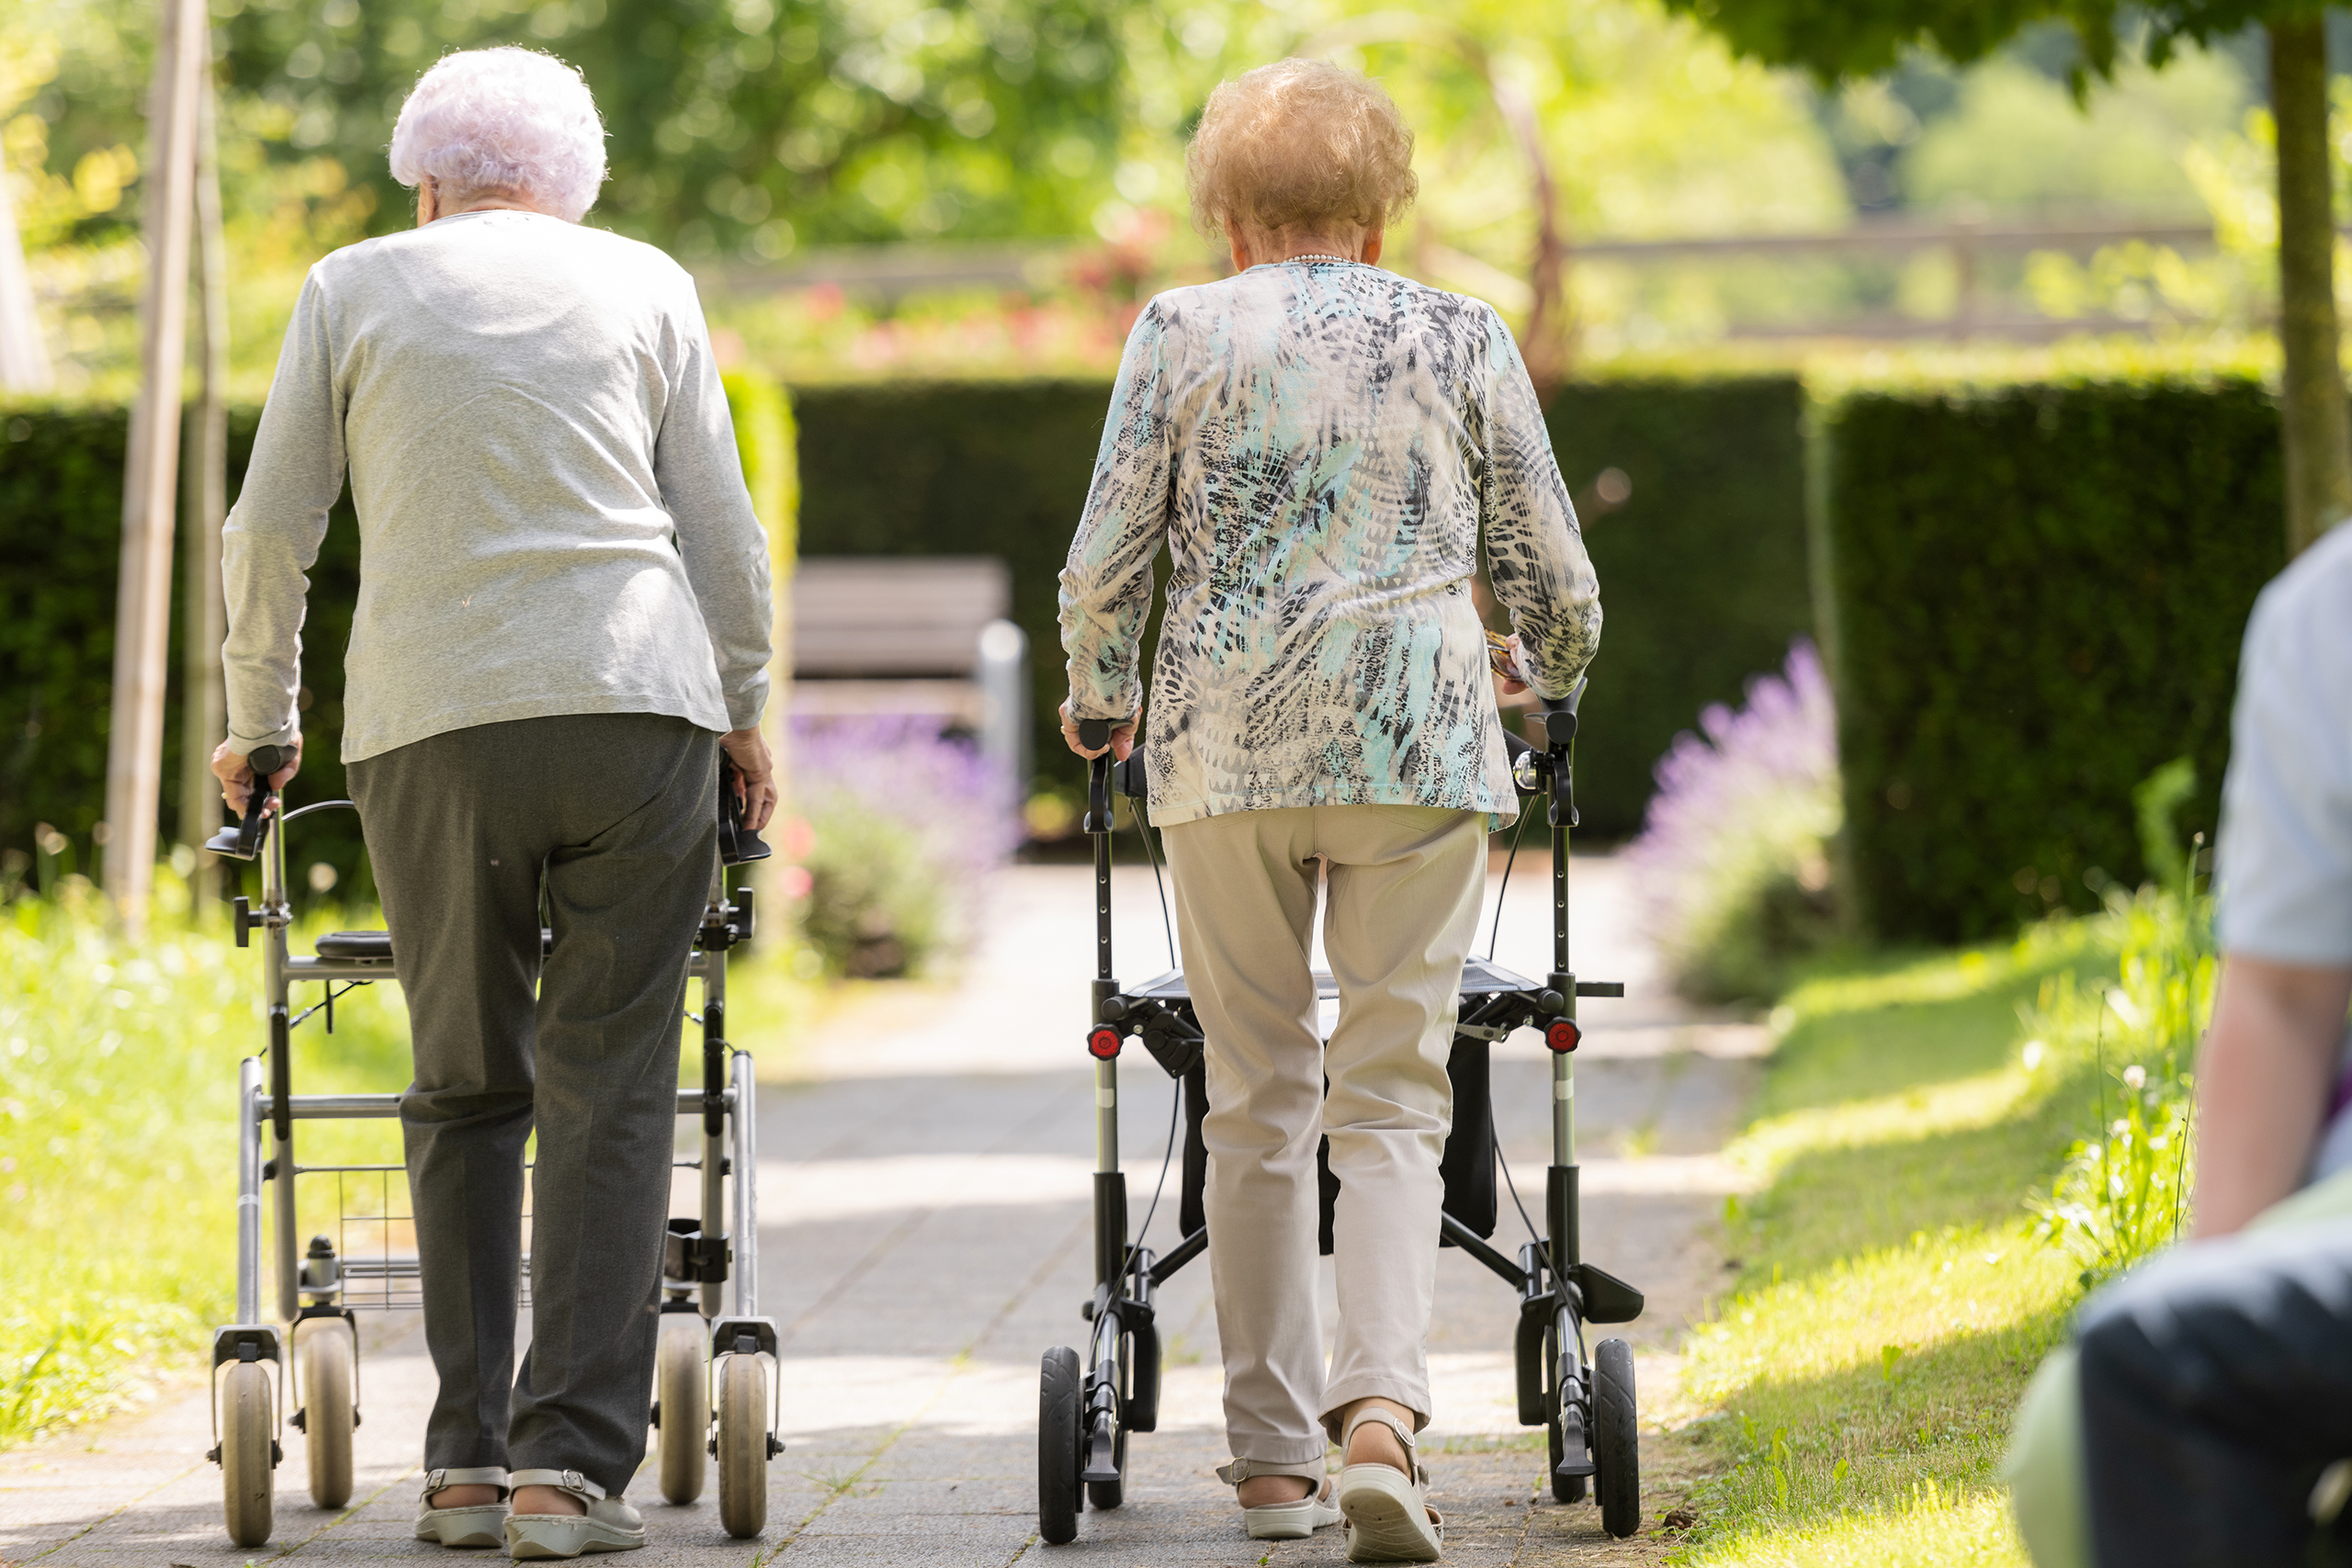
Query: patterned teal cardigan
x=1319, y=444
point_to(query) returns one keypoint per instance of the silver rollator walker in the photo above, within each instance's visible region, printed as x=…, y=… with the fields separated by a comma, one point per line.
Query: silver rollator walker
x=1088, y=1405
x=367, y=1261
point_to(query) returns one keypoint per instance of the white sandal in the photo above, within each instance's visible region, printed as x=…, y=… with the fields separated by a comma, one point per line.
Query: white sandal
x=478, y=1524
x=1388, y=1513
x=1282, y=1521
x=609, y=1525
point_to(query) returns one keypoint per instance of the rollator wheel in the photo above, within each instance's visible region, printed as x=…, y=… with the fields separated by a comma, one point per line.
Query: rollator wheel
x=742, y=1446
x=247, y=1456
x=1564, y=1488
x=681, y=1402
x=1616, y=1438
x=329, y=1360
x=1059, y=1492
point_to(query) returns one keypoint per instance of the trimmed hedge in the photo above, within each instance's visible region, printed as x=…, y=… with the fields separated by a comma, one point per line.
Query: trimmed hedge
x=2038, y=594
x=61, y=531
x=1702, y=573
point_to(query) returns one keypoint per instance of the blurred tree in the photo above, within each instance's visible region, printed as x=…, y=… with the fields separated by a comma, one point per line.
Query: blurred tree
x=1837, y=38
x=745, y=126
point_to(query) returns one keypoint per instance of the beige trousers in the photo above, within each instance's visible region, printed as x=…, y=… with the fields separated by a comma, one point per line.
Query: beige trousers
x=1405, y=882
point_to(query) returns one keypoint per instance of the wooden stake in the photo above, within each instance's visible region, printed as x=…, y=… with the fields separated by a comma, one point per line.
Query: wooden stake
x=151, y=472
x=204, y=618
x=2312, y=414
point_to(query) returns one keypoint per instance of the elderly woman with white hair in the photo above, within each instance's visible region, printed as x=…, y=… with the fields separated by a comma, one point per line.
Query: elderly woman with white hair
x=563, y=616
x=1318, y=444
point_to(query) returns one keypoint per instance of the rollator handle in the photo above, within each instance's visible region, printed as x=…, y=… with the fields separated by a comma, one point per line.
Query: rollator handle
x=242, y=838
x=1094, y=734
x=737, y=843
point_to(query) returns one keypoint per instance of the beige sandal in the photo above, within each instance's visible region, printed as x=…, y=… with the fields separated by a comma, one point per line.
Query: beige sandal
x=609, y=1525
x=476, y=1524
x=1282, y=1521
x=1388, y=1513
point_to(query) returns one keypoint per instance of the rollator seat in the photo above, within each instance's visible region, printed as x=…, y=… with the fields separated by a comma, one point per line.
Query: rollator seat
x=1479, y=978
x=376, y=947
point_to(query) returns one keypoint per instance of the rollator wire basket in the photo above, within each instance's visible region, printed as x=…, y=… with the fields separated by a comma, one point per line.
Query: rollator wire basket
x=1089, y=1401
x=717, y=1395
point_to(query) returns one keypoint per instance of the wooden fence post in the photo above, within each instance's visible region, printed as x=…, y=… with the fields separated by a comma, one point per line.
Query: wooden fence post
x=151, y=472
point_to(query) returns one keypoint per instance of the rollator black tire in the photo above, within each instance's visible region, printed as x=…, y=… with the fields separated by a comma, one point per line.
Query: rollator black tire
x=1616, y=1438
x=742, y=1445
x=247, y=1452
x=681, y=1403
x=1564, y=1488
x=1059, y=1496
x=328, y=1358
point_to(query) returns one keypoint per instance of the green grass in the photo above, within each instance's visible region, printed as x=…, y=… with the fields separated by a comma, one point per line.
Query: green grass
x=118, y=1143
x=1893, y=1291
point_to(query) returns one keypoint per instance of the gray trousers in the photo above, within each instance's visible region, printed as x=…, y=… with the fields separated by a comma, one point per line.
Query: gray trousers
x=614, y=817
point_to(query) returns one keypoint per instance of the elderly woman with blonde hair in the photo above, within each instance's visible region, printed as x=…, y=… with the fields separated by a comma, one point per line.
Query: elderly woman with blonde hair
x=1319, y=444
x=563, y=616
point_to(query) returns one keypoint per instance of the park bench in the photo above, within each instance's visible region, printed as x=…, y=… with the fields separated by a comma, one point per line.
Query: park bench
x=915, y=635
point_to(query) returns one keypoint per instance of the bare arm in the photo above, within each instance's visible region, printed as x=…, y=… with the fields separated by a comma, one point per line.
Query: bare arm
x=2263, y=1084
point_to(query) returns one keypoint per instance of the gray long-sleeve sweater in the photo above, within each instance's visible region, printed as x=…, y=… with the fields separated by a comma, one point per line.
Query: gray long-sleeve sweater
x=552, y=515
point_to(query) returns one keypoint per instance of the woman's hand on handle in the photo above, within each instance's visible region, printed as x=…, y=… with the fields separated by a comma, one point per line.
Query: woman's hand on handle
x=1122, y=739
x=1506, y=664
x=754, y=776
x=236, y=774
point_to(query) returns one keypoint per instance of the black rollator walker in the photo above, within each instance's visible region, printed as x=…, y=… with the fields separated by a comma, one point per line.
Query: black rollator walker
x=1087, y=1407
x=367, y=1259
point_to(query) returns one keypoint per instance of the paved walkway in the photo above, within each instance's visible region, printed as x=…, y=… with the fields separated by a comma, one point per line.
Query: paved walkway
x=924, y=1200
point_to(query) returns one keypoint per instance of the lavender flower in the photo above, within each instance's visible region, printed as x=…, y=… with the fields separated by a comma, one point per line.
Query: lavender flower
x=904, y=825
x=1731, y=864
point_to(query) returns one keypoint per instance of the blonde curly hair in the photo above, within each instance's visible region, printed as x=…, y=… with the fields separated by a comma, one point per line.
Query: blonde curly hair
x=1303, y=147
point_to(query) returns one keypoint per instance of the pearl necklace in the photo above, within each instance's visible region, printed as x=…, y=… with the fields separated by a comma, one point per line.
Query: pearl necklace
x=1320, y=255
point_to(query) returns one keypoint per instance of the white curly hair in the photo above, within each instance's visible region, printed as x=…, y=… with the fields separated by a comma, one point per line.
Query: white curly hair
x=510, y=122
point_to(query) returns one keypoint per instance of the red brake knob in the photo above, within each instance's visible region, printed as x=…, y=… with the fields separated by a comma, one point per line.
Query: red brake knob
x=1563, y=1035
x=1103, y=1042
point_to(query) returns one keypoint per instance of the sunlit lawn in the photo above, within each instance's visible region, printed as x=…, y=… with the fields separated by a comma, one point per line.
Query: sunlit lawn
x=1892, y=1297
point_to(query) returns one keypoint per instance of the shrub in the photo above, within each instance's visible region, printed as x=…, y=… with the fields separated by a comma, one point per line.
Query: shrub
x=1732, y=864
x=2036, y=595
x=1702, y=570
x=903, y=826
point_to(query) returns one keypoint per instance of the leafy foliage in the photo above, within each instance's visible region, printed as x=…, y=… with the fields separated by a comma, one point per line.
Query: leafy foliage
x=750, y=125
x=2039, y=594
x=2123, y=1194
x=1842, y=38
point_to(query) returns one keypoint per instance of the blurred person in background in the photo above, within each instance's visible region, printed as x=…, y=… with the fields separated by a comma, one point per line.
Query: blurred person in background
x=563, y=616
x=1319, y=444
x=2203, y=1414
